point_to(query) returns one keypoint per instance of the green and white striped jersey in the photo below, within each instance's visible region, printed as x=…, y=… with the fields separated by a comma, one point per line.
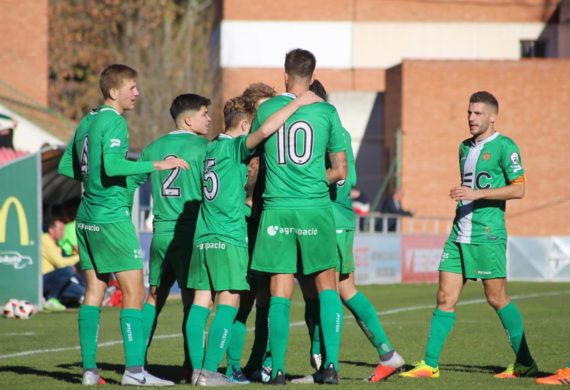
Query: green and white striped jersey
x=491, y=163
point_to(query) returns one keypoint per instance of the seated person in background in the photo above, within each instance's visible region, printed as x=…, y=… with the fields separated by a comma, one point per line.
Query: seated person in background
x=392, y=205
x=68, y=243
x=61, y=282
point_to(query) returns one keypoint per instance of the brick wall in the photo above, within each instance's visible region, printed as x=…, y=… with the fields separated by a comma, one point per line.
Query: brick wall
x=237, y=79
x=391, y=10
x=23, y=58
x=534, y=99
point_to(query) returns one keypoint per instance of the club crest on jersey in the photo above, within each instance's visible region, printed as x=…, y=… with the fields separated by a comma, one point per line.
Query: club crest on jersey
x=516, y=162
x=487, y=156
x=115, y=142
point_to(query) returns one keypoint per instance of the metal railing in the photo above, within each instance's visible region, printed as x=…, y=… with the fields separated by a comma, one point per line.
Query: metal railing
x=396, y=224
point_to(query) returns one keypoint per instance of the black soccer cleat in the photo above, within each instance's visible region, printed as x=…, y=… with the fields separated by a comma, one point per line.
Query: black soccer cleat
x=278, y=380
x=330, y=376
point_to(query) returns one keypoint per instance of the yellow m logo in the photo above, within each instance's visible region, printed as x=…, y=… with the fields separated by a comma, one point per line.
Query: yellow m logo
x=22, y=220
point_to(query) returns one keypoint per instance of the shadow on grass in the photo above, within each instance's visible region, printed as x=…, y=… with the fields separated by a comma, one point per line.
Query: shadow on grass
x=170, y=372
x=63, y=376
x=473, y=368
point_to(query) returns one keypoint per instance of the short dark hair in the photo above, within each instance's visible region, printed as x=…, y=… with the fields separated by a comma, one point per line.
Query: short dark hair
x=485, y=97
x=51, y=222
x=237, y=109
x=114, y=76
x=318, y=89
x=300, y=63
x=187, y=102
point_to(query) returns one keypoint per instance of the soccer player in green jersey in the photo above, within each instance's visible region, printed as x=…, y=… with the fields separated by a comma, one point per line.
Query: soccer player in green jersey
x=106, y=236
x=297, y=215
x=491, y=173
x=176, y=197
x=259, y=358
x=220, y=258
x=358, y=304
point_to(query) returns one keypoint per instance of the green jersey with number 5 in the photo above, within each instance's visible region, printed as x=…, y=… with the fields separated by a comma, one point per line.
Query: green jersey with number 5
x=222, y=214
x=176, y=193
x=295, y=154
x=491, y=163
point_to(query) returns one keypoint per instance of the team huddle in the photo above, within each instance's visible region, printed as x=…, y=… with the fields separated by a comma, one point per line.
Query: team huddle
x=238, y=218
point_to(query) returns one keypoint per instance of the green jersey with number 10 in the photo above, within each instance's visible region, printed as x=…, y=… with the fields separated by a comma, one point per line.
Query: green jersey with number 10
x=295, y=154
x=491, y=163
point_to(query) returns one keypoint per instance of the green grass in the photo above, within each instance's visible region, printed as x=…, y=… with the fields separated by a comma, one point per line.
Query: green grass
x=476, y=349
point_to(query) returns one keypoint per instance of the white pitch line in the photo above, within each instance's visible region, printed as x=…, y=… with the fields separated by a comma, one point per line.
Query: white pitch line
x=293, y=324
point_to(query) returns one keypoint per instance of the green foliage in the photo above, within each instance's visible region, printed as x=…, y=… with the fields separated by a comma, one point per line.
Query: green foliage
x=476, y=349
x=166, y=41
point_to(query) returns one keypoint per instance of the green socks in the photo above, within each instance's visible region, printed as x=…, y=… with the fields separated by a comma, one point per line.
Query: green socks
x=133, y=343
x=368, y=320
x=195, y=329
x=219, y=336
x=441, y=324
x=149, y=323
x=313, y=321
x=260, y=335
x=512, y=322
x=279, y=318
x=237, y=341
x=331, y=324
x=88, y=322
x=568, y=364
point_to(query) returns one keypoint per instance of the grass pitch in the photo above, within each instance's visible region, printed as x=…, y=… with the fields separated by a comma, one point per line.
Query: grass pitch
x=43, y=352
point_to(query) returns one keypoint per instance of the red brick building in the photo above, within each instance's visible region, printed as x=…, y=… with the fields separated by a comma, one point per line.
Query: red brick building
x=24, y=54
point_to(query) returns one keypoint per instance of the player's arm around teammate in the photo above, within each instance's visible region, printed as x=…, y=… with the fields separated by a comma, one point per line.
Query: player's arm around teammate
x=106, y=237
x=220, y=258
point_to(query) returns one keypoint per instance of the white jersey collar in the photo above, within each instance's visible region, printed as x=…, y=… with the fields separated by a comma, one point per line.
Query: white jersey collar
x=289, y=94
x=182, y=132
x=486, y=140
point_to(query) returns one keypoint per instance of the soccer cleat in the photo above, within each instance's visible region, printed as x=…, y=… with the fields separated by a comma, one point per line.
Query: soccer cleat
x=517, y=370
x=212, y=378
x=330, y=376
x=143, y=379
x=316, y=377
x=261, y=375
x=92, y=379
x=316, y=361
x=421, y=370
x=560, y=377
x=54, y=305
x=387, y=368
x=279, y=379
x=238, y=377
x=194, y=378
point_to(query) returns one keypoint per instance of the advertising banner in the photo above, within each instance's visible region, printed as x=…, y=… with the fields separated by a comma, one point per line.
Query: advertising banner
x=420, y=257
x=20, y=230
x=377, y=258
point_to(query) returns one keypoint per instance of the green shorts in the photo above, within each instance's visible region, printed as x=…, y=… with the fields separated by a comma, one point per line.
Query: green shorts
x=344, y=244
x=218, y=266
x=289, y=241
x=108, y=247
x=474, y=261
x=169, y=258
